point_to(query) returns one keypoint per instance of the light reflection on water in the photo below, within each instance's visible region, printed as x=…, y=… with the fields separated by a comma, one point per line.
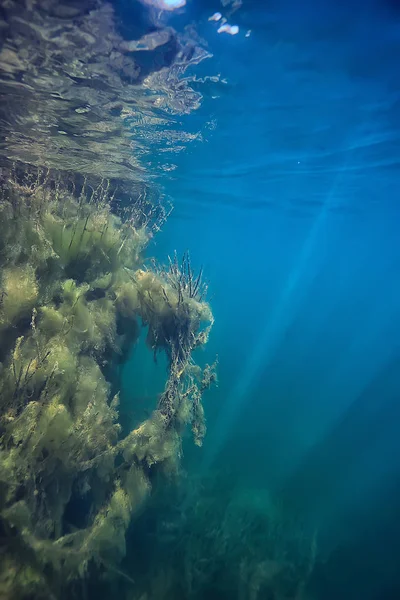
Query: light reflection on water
x=77, y=95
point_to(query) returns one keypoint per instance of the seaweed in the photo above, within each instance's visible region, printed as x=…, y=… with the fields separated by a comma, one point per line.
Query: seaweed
x=216, y=538
x=74, y=294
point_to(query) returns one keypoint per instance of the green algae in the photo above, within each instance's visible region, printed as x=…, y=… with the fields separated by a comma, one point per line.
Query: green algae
x=73, y=296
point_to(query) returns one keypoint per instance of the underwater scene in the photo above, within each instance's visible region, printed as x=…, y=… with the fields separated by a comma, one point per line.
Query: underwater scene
x=199, y=299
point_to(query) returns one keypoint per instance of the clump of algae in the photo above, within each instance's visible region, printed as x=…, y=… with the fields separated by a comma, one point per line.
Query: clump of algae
x=73, y=293
x=19, y=293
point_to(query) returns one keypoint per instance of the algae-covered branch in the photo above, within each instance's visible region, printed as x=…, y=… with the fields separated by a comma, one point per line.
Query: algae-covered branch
x=74, y=293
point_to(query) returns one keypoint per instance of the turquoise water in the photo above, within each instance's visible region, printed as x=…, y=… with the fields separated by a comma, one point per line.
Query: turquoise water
x=292, y=205
x=279, y=149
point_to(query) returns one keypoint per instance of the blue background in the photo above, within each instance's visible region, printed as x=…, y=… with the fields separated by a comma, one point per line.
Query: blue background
x=291, y=202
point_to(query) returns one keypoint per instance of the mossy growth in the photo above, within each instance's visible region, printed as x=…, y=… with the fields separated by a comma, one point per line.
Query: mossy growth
x=73, y=295
x=19, y=293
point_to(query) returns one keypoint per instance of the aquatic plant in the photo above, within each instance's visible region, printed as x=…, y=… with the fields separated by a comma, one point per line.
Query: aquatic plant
x=217, y=539
x=73, y=294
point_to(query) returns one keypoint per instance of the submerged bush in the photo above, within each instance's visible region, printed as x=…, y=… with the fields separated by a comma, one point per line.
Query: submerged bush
x=73, y=294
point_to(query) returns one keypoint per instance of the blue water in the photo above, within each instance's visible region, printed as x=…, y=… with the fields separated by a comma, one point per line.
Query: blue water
x=292, y=204
x=280, y=154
